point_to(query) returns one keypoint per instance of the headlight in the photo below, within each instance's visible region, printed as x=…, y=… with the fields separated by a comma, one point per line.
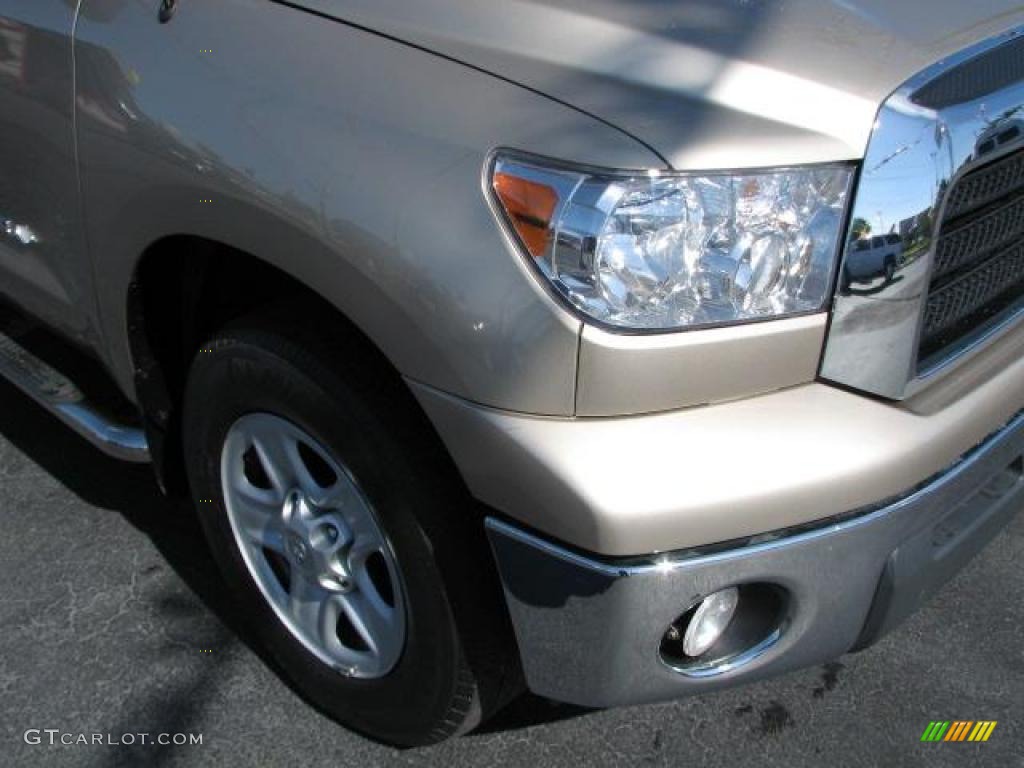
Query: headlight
x=667, y=250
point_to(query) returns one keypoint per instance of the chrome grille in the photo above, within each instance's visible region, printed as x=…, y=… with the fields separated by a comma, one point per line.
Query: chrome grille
x=978, y=189
x=943, y=181
x=978, y=274
x=973, y=240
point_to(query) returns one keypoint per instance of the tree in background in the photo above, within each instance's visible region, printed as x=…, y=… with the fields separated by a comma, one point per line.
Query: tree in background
x=860, y=229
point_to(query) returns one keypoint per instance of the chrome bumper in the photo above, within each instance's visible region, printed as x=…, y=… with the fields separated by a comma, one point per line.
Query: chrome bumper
x=589, y=630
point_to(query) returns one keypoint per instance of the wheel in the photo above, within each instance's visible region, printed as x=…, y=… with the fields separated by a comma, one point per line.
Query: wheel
x=890, y=270
x=845, y=281
x=345, y=534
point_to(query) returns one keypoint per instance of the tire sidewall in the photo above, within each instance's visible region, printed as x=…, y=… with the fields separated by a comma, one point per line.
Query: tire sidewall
x=239, y=375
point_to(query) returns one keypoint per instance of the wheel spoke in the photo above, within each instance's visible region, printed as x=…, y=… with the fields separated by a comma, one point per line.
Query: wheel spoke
x=366, y=538
x=260, y=496
x=279, y=455
x=320, y=496
x=259, y=521
x=374, y=620
x=328, y=624
x=306, y=604
x=339, y=496
x=269, y=537
x=254, y=513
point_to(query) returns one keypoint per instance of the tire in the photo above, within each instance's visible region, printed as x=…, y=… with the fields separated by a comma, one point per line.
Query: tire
x=845, y=281
x=456, y=662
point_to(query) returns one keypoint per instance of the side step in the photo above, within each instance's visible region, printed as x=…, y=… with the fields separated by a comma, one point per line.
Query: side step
x=59, y=395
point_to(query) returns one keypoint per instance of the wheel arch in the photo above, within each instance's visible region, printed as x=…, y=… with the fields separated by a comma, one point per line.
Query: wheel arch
x=183, y=288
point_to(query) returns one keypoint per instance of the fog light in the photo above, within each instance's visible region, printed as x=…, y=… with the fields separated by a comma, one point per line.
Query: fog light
x=710, y=621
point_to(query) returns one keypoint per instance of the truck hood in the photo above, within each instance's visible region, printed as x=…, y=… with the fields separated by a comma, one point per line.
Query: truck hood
x=703, y=83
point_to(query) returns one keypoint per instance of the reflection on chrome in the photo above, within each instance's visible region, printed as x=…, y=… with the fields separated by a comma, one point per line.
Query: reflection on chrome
x=949, y=122
x=21, y=233
x=1002, y=131
x=870, y=258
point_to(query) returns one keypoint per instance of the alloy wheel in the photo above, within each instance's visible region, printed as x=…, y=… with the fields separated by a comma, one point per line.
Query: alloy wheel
x=314, y=546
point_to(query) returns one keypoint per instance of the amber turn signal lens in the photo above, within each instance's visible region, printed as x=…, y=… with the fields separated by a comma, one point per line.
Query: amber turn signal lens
x=530, y=207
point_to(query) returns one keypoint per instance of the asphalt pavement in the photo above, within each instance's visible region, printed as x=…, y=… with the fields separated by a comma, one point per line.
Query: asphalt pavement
x=113, y=621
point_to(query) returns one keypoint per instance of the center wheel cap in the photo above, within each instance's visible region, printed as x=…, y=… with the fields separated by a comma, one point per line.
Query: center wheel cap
x=298, y=549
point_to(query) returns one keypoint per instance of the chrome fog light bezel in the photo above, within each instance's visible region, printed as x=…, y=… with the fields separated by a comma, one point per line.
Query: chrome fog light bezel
x=758, y=622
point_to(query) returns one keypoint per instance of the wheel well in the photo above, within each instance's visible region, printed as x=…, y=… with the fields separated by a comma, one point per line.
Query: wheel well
x=184, y=289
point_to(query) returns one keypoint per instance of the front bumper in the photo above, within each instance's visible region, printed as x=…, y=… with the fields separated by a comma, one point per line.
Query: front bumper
x=589, y=628
x=661, y=482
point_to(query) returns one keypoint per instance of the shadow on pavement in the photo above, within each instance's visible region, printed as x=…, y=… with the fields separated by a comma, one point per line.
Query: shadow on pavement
x=530, y=710
x=173, y=528
x=127, y=489
x=875, y=289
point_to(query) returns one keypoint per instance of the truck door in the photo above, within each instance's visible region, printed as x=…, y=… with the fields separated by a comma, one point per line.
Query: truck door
x=44, y=265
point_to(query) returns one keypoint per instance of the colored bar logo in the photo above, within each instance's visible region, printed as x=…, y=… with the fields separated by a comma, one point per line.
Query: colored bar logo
x=958, y=730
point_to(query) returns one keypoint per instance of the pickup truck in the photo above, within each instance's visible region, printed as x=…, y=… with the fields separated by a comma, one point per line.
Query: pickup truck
x=504, y=345
x=870, y=258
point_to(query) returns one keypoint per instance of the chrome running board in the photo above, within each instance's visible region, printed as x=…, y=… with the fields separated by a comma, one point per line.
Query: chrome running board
x=59, y=395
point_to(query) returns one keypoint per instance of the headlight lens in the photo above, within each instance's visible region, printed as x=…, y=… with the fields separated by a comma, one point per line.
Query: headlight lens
x=664, y=251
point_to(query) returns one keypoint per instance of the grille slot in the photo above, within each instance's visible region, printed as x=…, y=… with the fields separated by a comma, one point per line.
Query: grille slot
x=1000, y=179
x=960, y=307
x=968, y=244
x=978, y=276
x=975, y=78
